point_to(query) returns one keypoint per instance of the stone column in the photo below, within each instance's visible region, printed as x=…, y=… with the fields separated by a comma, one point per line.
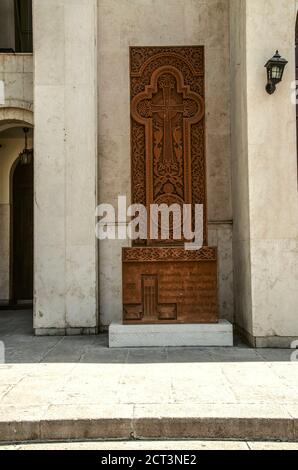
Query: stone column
x=264, y=173
x=65, y=92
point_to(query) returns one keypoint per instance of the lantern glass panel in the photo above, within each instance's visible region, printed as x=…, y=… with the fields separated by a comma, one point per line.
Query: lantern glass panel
x=276, y=72
x=26, y=157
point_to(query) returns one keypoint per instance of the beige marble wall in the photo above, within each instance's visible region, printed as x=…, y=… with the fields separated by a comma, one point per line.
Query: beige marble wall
x=220, y=235
x=272, y=168
x=65, y=97
x=264, y=172
x=239, y=142
x=16, y=71
x=169, y=22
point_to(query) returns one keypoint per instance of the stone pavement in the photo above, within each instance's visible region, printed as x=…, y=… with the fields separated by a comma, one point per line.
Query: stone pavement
x=154, y=445
x=76, y=388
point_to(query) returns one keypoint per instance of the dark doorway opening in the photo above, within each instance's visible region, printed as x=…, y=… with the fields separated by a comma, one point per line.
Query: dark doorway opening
x=22, y=234
x=23, y=25
x=16, y=26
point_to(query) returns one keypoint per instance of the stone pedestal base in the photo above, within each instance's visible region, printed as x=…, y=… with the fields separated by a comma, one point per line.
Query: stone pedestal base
x=130, y=336
x=168, y=285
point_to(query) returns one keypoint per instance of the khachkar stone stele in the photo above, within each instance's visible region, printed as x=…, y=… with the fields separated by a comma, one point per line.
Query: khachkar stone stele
x=162, y=281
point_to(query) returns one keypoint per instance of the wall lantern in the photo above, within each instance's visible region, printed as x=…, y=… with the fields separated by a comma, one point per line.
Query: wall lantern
x=27, y=154
x=275, y=69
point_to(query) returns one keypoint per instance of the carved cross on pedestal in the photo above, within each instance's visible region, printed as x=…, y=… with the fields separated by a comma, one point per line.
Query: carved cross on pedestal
x=150, y=309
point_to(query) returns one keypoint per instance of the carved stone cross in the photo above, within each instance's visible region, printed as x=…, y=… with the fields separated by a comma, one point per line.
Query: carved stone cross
x=150, y=309
x=168, y=110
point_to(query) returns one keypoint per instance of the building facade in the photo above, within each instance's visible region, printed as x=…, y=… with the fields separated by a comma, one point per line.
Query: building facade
x=72, y=92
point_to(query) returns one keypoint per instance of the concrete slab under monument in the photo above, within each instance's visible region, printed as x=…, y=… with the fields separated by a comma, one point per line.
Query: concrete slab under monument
x=171, y=335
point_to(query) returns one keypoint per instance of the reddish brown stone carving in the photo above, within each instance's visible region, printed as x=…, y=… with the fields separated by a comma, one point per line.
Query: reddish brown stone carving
x=168, y=128
x=162, y=282
x=207, y=253
x=169, y=287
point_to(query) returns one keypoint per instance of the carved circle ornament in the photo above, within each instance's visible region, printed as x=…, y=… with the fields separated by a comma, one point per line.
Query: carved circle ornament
x=168, y=84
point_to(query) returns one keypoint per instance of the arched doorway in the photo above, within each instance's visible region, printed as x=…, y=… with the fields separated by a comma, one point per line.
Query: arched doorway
x=16, y=216
x=22, y=233
x=16, y=223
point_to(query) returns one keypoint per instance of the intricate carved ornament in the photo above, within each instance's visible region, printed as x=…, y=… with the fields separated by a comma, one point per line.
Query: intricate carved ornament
x=163, y=282
x=162, y=254
x=168, y=127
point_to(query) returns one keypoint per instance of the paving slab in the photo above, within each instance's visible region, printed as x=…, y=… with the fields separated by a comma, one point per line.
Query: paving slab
x=273, y=445
x=195, y=445
x=78, y=388
x=133, y=445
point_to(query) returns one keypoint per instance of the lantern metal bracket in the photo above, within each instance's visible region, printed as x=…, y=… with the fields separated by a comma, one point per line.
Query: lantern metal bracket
x=27, y=154
x=270, y=88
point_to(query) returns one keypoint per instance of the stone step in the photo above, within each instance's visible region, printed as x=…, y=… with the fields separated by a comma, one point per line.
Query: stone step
x=171, y=335
x=146, y=427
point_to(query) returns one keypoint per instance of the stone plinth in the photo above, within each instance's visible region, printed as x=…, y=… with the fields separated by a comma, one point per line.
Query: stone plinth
x=129, y=336
x=169, y=285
